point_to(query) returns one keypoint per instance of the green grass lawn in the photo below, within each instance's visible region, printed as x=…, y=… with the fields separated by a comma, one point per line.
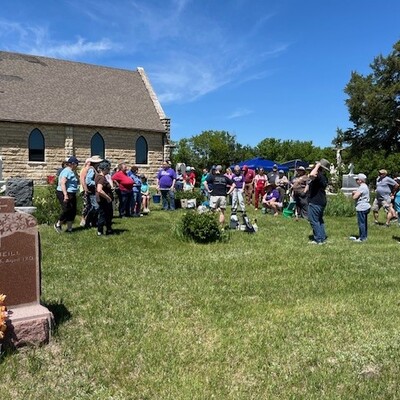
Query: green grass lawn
x=142, y=315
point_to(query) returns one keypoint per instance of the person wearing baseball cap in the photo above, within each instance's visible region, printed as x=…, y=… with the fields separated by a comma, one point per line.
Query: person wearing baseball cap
x=217, y=186
x=67, y=188
x=386, y=187
x=361, y=196
x=317, y=200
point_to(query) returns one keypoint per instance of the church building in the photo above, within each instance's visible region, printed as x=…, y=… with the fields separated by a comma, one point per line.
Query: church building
x=51, y=109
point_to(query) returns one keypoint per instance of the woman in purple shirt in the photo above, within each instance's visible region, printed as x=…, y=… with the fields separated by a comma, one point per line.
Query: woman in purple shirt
x=272, y=199
x=166, y=178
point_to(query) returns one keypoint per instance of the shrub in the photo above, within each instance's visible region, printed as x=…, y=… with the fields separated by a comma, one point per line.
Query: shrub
x=47, y=206
x=340, y=206
x=201, y=228
x=46, y=203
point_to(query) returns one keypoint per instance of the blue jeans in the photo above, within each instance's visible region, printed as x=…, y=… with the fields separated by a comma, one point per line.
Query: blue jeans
x=315, y=216
x=362, y=217
x=136, y=203
x=125, y=204
x=93, y=213
x=168, y=199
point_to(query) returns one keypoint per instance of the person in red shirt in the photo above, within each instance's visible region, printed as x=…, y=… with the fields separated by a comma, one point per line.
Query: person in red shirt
x=125, y=186
x=249, y=176
x=192, y=176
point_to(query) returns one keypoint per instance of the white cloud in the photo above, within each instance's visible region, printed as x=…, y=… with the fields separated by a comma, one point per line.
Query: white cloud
x=72, y=50
x=36, y=40
x=240, y=112
x=187, y=52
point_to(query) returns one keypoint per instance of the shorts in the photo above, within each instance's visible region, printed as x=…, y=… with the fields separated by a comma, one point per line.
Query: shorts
x=377, y=204
x=217, y=202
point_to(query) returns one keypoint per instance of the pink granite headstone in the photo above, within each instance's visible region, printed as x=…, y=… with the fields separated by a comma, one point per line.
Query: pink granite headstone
x=29, y=322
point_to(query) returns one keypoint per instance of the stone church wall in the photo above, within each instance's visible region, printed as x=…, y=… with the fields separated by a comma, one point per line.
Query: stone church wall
x=63, y=141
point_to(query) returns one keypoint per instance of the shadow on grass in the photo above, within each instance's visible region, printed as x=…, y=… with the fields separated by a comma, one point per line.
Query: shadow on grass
x=60, y=314
x=397, y=238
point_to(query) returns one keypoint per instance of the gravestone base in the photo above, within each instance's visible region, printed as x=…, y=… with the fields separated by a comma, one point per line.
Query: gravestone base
x=28, y=210
x=349, y=184
x=28, y=325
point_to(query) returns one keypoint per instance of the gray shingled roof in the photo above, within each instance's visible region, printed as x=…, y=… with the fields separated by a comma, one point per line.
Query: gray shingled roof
x=46, y=90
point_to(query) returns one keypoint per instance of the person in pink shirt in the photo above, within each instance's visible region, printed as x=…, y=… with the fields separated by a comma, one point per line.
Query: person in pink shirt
x=260, y=182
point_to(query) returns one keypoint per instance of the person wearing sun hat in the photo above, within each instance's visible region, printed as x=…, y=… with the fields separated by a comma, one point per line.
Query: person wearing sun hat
x=363, y=207
x=317, y=200
x=67, y=188
x=93, y=206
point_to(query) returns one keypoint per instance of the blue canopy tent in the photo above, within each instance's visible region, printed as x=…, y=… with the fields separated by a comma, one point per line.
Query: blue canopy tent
x=261, y=162
x=294, y=164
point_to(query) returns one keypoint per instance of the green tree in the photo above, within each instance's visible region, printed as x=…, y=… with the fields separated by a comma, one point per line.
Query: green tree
x=208, y=148
x=214, y=147
x=281, y=151
x=182, y=152
x=374, y=106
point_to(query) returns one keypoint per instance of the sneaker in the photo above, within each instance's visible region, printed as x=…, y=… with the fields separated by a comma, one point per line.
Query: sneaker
x=376, y=222
x=82, y=223
x=109, y=232
x=359, y=240
x=312, y=242
x=387, y=225
x=69, y=230
x=99, y=233
x=57, y=228
x=352, y=238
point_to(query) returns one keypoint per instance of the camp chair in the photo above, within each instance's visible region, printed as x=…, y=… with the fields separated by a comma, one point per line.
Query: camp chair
x=289, y=210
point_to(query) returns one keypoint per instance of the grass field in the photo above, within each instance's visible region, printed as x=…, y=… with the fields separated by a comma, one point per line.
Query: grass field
x=142, y=315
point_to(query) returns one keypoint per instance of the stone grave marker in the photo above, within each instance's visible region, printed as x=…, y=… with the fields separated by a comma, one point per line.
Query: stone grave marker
x=349, y=184
x=29, y=322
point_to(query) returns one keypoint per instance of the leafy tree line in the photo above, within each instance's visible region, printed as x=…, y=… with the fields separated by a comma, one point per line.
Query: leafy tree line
x=220, y=147
x=372, y=143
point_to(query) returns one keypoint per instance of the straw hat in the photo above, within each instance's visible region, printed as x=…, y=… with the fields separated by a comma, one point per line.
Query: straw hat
x=95, y=159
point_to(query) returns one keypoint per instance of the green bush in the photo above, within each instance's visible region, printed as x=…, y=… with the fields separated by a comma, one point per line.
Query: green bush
x=201, y=228
x=47, y=205
x=340, y=206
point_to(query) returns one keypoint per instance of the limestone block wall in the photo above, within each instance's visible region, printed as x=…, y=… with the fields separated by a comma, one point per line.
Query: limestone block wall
x=14, y=150
x=63, y=141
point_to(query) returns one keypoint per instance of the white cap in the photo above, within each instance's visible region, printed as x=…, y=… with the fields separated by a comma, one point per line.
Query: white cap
x=361, y=177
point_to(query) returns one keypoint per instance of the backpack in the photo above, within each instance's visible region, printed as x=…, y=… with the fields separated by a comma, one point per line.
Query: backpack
x=249, y=228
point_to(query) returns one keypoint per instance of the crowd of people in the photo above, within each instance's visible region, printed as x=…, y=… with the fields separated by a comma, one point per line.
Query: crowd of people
x=100, y=187
x=240, y=187
x=306, y=191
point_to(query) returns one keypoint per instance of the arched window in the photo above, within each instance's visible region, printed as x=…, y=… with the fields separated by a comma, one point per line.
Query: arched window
x=97, y=145
x=36, y=145
x=141, y=150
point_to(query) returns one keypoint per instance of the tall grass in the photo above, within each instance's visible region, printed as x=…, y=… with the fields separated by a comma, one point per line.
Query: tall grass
x=144, y=315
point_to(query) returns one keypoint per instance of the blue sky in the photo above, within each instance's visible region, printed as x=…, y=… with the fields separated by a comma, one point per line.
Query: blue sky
x=254, y=68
